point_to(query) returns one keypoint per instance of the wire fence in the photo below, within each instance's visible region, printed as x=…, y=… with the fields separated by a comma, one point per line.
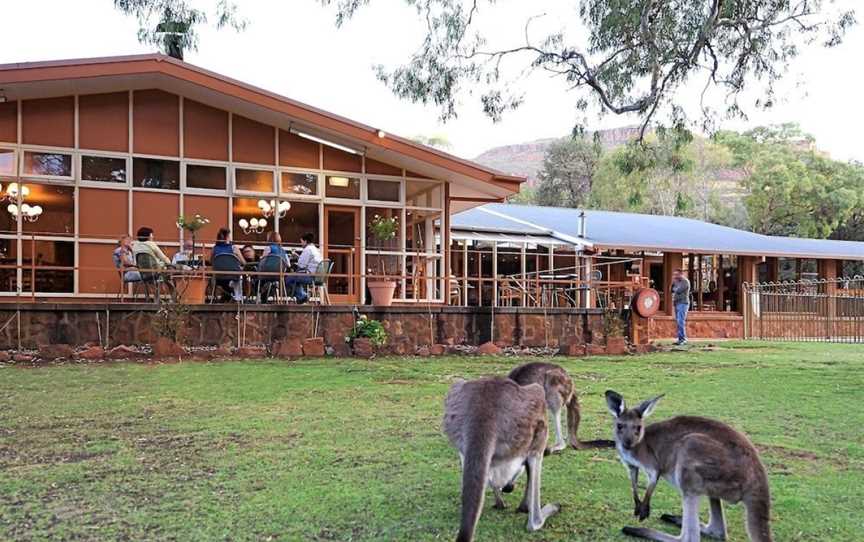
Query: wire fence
x=827, y=310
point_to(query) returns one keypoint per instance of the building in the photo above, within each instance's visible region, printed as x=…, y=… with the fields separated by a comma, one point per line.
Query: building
x=93, y=149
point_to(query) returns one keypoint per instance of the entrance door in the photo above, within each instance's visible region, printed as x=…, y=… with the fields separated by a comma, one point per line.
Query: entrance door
x=342, y=246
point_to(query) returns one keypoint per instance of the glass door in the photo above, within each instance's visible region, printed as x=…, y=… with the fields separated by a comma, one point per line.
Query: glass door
x=342, y=246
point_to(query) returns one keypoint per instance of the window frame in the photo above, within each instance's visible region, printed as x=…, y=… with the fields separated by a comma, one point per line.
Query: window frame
x=36, y=149
x=103, y=184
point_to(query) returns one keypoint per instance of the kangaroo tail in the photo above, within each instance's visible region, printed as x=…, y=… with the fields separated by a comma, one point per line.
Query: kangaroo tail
x=475, y=469
x=573, y=419
x=759, y=517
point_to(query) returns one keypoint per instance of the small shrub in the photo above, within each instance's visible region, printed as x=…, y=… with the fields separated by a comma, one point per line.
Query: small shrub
x=613, y=324
x=367, y=328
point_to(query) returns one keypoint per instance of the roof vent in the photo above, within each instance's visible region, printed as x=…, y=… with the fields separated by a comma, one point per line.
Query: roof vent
x=175, y=37
x=583, y=229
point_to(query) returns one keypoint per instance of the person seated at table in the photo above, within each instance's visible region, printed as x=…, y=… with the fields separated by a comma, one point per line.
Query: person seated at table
x=248, y=252
x=124, y=260
x=183, y=256
x=274, y=246
x=307, y=264
x=225, y=246
x=147, y=245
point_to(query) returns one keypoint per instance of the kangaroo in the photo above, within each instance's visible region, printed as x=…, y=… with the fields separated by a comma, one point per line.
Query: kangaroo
x=499, y=429
x=698, y=456
x=560, y=392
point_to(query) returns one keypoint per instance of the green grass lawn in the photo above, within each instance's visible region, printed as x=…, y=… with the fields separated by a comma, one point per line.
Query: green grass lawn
x=352, y=450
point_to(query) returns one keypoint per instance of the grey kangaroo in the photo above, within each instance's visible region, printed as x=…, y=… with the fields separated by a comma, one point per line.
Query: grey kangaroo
x=698, y=456
x=560, y=392
x=499, y=429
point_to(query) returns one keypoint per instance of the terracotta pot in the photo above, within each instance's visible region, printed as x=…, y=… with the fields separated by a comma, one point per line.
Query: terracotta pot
x=382, y=292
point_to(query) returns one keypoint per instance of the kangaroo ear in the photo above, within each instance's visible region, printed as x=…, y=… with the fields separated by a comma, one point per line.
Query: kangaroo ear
x=647, y=407
x=615, y=403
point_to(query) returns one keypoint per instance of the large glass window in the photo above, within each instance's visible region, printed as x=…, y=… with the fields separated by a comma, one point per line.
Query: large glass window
x=302, y=184
x=48, y=209
x=420, y=231
x=253, y=180
x=52, y=263
x=249, y=224
x=7, y=162
x=384, y=190
x=205, y=177
x=154, y=173
x=103, y=169
x=47, y=163
x=423, y=194
x=378, y=261
x=338, y=186
x=8, y=265
x=301, y=218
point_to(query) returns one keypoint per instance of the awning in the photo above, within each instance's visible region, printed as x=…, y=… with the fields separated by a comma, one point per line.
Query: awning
x=464, y=235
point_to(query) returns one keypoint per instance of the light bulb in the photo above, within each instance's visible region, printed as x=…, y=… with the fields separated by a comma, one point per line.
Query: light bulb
x=37, y=210
x=13, y=209
x=25, y=190
x=263, y=205
x=25, y=208
x=254, y=222
x=284, y=206
x=13, y=189
x=243, y=223
x=262, y=223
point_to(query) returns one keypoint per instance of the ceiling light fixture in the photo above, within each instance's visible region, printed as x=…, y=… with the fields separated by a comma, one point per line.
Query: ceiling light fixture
x=323, y=141
x=254, y=225
x=341, y=182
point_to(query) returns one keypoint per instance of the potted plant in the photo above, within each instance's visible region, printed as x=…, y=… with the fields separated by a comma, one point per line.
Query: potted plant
x=366, y=336
x=192, y=287
x=382, y=229
x=613, y=328
x=192, y=226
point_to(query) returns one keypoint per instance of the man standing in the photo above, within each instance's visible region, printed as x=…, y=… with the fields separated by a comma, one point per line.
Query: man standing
x=306, y=264
x=681, y=302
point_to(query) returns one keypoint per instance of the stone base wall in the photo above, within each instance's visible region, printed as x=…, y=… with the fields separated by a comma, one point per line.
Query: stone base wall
x=32, y=325
x=699, y=326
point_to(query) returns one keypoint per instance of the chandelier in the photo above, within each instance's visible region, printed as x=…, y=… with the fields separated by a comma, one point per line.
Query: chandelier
x=254, y=225
x=12, y=190
x=270, y=208
x=30, y=213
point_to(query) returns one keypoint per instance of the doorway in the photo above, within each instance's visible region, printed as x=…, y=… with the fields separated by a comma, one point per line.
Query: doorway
x=341, y=244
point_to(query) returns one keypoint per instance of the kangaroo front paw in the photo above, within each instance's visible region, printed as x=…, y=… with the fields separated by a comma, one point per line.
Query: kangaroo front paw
x=643, y=510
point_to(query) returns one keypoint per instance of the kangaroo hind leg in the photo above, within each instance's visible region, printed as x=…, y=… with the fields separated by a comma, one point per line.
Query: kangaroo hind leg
x=690, y=528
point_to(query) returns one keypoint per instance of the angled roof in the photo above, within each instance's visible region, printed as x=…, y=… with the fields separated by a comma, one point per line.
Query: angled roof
x=56, y=74
x=607, y=229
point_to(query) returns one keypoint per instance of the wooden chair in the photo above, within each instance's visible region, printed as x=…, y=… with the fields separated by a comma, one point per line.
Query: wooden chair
x=148, y=268
x=229, y=268
x=508, y=293
x=272, y=263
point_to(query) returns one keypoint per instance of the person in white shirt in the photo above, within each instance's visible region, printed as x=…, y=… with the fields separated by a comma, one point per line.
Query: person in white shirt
x=307, y=264
x=183, y=256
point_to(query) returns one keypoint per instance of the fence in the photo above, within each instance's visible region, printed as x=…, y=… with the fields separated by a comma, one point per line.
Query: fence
x=808, y=310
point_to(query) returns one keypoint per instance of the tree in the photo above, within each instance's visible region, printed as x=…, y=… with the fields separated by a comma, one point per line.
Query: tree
x=172, y=25
x=567, y=174
x=439, y=141
x=632, y=57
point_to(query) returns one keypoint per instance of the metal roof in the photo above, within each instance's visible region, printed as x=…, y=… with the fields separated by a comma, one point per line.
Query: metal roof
x=508, y=238
x=608, y=229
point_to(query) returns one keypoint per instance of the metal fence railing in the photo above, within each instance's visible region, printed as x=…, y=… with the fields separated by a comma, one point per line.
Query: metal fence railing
x=828, y=310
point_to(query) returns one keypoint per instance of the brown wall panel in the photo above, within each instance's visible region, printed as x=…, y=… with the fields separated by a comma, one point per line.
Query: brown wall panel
x=213, y=207
x=205, y=132
x=96, y=269
x=337, y=160
x=157, y=211
x=103, y=122
x=156, y=123
x=253, y=142
x=103, y=213
x=295, y=151
x=9, y=122
x=49, y=121
x=380, y=168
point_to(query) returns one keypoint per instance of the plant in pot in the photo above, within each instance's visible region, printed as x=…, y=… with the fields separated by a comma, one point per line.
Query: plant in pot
x=192, y=226
x=366, y=336
x=613, y=329
x=383, y=229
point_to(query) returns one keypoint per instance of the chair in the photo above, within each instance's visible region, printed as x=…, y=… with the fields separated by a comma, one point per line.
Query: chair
x=228, y=268
x=319, y=282
x=508, y=293
x=148, y=268
x=272, y=263
x=124, y=282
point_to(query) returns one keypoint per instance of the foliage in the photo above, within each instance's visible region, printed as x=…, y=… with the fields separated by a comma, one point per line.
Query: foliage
x=171, y=321
x=193, y=225
x=792, y=189
x=613, y=324
x=438, y=141
x=567, y=174
x=383, y=228
x=172, y=24
x=297, y=451
x=623, y=56
x=368, y=328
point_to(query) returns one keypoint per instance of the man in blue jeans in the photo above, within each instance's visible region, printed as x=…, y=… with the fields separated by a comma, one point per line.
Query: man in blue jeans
x=307, y=265
x=681, y=302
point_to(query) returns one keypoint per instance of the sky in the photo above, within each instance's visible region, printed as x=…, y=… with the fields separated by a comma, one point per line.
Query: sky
x=292, y=47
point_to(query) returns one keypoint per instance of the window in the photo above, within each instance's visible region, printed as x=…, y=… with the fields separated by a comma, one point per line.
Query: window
x=384, y=190
x=249, y=225
x=420, y=231
x=52, y=254
x=253, y=180
x=49, y=164
x=304, y=184
x=338, y=186
x=7, y=162
x=103, y=169
x=56, y=210
x=205, y=177
x=372, y=242
x=154, y=173
x=8, y=265
x=301, y=218
x=423, y=194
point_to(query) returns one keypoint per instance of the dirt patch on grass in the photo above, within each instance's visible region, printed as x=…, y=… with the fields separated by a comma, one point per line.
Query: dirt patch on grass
x=785, y=461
